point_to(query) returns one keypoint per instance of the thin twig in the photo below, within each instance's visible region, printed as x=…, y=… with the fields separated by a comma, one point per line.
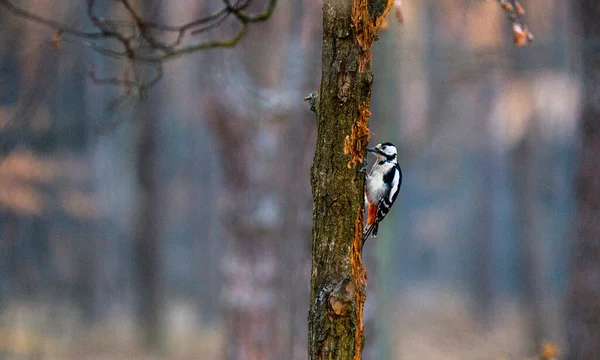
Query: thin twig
x=521, y=34
x=137, y=50
x=50, y=23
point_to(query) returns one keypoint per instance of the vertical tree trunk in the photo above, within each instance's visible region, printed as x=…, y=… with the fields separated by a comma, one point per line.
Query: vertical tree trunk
x=146, y=247
x=263, y=146
x=251, y=142
x=338, y=278
x=147, y=250
x=583, y=322
x=251, y=268
x=482, y=283
x=526, y=197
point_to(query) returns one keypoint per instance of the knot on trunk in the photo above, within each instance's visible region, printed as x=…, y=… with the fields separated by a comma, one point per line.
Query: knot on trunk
x=341, y=298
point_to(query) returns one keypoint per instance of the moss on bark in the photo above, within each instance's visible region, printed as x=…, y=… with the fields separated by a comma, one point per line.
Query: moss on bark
x=335, y=321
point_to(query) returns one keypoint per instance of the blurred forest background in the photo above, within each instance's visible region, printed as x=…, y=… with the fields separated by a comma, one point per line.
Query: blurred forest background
x=177, y=224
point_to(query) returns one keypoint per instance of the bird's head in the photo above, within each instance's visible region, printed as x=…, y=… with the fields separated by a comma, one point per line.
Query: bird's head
x=384, y=151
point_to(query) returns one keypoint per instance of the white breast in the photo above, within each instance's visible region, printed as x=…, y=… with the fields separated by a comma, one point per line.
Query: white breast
x=376, y=188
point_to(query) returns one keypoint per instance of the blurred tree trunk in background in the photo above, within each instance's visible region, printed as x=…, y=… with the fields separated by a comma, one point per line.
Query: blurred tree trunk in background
x=147, y=263
x=251, y=214
x=482, y=283
x=45, y=135
x=525, y=187
x=263, y=136
x=583, y=316
x=302, y=62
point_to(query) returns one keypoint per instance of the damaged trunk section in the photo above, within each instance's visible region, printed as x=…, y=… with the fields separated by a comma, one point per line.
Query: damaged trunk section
x=338, y=278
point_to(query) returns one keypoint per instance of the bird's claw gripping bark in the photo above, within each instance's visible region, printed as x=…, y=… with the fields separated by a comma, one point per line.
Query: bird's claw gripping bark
x=364, y=168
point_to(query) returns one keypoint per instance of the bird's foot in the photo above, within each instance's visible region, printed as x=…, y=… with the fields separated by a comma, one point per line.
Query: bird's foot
x=364, y=168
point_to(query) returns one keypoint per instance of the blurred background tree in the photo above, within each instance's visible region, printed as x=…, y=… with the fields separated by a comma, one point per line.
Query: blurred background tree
x=583, y=319
x=205, y=176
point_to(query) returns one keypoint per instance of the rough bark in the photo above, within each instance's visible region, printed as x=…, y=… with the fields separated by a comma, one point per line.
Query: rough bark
x=583, y=322
x=338, y=278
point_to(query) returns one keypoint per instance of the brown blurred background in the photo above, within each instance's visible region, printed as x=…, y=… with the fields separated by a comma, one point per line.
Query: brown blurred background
x=176, y=225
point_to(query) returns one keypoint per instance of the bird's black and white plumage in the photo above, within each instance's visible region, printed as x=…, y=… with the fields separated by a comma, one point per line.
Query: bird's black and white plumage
x=382, y=186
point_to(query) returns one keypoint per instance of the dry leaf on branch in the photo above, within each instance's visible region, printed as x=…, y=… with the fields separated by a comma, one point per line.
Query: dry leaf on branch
x=57, y=40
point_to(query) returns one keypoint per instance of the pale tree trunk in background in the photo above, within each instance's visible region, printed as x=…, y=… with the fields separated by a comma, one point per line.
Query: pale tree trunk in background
x=263, y=133
x=254, y=214
x=583, y=322
x=251, y=216
x=301, y=78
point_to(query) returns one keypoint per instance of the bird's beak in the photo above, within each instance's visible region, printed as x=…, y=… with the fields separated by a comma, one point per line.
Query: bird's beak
x=372, y=150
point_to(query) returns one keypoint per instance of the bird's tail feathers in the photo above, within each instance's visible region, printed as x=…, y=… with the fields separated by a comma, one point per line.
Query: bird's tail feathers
x=371, y=229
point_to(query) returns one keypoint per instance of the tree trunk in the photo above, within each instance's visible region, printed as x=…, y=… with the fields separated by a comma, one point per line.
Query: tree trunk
x=146, y=240
x=583, y=322
x=526, y=184
x=263, y=139
x=338, y=278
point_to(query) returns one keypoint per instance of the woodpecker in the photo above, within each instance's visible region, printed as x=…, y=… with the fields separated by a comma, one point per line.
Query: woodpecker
x=382, y=186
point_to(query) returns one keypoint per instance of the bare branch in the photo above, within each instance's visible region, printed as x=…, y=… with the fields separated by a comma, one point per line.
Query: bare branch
x=50, y=23
x=515, y=11
x=141, y=42
x=203, y=46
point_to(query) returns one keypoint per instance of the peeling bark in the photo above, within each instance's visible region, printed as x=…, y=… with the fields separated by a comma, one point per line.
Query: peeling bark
x=338, y=278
